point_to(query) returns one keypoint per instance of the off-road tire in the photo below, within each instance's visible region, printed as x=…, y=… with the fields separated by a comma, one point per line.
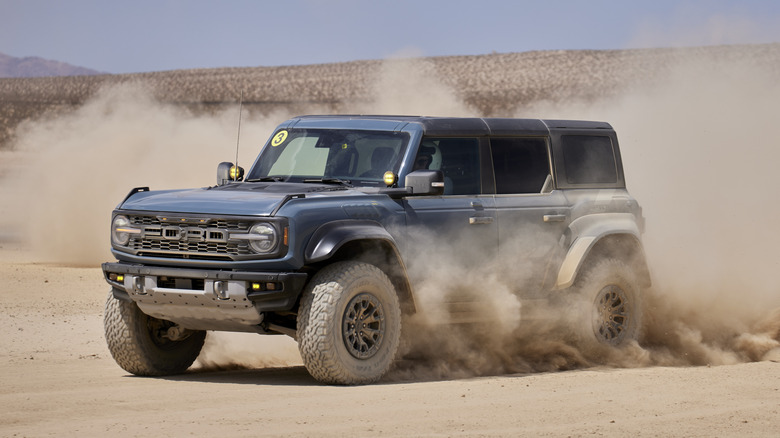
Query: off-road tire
x=332, y=346
x=135, y=343
x=610, y=311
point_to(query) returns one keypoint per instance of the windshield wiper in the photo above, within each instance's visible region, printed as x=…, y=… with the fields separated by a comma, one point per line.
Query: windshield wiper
x=267, y=179
x=327, y=180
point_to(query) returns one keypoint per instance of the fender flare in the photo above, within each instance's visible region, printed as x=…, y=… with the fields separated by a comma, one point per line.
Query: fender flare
x=585, y=232
x=330, y=237
x=326, y=241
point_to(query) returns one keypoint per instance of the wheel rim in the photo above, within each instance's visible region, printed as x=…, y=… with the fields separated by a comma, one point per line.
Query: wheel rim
x=611, y=317
x=363, y=326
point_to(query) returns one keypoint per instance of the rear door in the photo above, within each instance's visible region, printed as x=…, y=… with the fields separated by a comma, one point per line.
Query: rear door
x=532, y=217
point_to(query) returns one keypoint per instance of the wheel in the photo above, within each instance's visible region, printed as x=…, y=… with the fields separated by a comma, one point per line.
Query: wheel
x=612, y=309
x=147, y=346
x=349, y=324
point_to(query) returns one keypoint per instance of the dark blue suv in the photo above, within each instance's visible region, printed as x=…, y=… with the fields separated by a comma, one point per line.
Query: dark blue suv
x=328, y=237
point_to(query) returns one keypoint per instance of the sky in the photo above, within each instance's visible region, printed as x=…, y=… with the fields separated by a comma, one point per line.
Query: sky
x=157, y=35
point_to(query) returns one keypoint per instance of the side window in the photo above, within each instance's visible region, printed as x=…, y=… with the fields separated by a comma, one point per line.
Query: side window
x=457, y=158
x=521, y=165
x=588, y=159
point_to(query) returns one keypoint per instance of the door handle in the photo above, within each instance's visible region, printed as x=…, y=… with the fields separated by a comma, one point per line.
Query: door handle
x=554, y=217
x=476, y=220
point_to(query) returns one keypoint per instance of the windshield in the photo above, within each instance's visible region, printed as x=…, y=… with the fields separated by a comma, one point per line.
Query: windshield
x=310, y=155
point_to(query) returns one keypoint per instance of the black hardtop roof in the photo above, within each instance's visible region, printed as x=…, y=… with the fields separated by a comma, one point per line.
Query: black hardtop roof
x=449, y=126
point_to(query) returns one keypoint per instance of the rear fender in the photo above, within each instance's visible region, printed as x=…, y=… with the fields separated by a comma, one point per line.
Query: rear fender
x=586, y=233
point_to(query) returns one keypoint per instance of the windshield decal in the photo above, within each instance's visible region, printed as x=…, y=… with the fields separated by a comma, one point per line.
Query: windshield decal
x=279, y=138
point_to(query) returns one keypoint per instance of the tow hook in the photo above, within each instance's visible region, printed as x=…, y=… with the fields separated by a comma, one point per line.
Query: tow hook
x=221, y=290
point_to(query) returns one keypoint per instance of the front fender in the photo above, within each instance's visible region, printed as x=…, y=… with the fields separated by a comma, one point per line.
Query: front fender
x=585, y=232
x=328, y=238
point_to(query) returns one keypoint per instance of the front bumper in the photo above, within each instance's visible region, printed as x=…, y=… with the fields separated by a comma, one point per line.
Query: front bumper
x=203, y=298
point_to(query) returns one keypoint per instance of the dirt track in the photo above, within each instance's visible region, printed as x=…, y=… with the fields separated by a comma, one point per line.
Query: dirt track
x=58, y=379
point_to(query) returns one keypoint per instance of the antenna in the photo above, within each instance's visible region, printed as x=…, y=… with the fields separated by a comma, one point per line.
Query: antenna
x=238, y=136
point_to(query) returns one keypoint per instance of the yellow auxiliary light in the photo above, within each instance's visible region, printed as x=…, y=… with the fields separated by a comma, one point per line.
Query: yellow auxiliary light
x=236, y=173
x=390, y=178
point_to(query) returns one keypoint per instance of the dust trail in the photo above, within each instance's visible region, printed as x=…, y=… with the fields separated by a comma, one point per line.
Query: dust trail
x=65, y=175
x=699, y=148
x=227, y=351
x=410, y=85
x=73, y=170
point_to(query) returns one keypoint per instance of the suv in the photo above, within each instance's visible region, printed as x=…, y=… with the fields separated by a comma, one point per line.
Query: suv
x=333, y=229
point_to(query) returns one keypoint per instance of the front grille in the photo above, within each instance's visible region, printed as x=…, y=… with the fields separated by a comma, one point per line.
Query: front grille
x=188, y=238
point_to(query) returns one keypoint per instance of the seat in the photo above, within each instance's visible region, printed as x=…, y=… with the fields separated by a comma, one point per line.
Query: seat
x=381, y=162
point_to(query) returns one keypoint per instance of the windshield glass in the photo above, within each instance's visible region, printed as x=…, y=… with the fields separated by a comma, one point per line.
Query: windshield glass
x=328, y=154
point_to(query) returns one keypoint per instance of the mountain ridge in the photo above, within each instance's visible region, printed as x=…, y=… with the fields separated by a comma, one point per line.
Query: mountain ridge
x=33, y=66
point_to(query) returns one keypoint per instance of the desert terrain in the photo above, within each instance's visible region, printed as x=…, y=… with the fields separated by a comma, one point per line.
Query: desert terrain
x=699, y=145
x=58, y=379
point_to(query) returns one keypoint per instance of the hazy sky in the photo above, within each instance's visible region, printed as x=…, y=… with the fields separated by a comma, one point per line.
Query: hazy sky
x=153, y=35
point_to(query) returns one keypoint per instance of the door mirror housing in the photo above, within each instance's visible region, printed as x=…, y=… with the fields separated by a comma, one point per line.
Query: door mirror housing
x=425, y=182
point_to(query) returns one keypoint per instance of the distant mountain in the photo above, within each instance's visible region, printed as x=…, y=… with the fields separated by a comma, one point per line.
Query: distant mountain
x=31, y=66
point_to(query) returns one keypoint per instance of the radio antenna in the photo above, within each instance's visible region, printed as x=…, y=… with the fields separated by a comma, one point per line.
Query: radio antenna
x=238, y=136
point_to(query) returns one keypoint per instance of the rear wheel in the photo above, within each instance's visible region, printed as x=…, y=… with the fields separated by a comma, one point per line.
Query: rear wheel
x=349, y=324
x=147, y=346
x=612, y=309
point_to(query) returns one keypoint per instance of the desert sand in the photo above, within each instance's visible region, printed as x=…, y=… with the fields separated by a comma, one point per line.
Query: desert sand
x=58, y=379
x=699, y=148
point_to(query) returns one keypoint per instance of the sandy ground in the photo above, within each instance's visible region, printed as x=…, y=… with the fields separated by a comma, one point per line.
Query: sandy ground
x=57, y=378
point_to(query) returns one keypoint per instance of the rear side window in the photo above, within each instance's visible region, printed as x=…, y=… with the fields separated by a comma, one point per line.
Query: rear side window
x=521, y=165
x=588, y=159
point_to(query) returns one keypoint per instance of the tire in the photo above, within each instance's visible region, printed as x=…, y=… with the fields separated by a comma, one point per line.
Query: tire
x=138, y=345
x=334, y=349
x=611, y=310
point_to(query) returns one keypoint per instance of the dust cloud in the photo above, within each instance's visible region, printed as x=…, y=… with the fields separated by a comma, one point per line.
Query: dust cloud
x=73, y=170
x=699, y=147
x=699, y=152
x=409, y=85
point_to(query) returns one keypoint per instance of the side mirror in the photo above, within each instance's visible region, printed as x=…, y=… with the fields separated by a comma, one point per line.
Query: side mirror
x=425, y=182
x=227, y=172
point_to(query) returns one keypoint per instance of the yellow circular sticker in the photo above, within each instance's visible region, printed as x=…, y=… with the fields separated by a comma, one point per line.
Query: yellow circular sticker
x=279, y=138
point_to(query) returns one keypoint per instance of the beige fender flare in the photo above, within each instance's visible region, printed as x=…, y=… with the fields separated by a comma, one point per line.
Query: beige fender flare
x=586, y=232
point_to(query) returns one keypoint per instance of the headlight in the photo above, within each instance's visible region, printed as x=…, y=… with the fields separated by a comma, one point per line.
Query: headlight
x=262, y=238
x=120, y=234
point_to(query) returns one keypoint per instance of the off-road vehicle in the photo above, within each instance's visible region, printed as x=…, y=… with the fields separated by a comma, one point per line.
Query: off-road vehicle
x=319, y=239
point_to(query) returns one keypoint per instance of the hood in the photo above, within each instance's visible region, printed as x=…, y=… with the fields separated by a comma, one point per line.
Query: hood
x=248, y=199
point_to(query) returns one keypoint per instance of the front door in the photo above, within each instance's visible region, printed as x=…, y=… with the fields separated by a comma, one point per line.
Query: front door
x=453, y=238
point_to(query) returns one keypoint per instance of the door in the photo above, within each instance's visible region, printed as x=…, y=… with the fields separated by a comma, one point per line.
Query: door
x=532, y=218
x=453, y=238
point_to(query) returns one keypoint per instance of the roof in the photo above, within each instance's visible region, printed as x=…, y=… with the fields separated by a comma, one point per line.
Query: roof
x=448, y=126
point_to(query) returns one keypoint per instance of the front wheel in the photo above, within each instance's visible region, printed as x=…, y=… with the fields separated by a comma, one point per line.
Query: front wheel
x=612, y=310
x=147, y=346
x=349, y=324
